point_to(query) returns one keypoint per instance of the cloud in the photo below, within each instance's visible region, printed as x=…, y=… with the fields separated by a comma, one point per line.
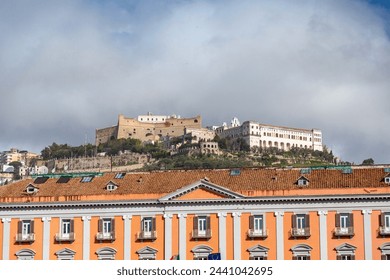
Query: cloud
x=72, y=67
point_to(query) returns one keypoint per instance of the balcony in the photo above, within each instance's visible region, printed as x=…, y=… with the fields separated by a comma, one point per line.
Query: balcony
x=147, y=235
x=384, y=231
x=263, y=233
x=30, y=237
x=343, y=231
x=105, y=236
x=201, y=234
x=60, y=237
x=300, y=232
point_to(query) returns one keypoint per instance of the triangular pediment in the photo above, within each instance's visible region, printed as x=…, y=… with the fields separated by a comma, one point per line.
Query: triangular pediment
x=147, y=250
x=257, y=249
x=202, y=190
x=345, y=247
x=65, y=251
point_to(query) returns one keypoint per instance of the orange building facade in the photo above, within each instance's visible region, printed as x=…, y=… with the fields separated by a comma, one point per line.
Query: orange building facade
x=275, y=214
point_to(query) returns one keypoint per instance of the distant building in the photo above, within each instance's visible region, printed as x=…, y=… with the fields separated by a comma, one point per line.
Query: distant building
x=147, y=128
x=261, y=135
x=13, y=154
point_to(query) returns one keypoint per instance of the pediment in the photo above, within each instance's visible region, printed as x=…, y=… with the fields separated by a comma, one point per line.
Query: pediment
x=257, y=249
x=202, y=190
x=65, y=251
x=147, y=250
x=345, y=247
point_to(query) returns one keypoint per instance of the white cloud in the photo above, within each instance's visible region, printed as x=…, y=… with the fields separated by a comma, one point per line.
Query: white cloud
x=296, y=63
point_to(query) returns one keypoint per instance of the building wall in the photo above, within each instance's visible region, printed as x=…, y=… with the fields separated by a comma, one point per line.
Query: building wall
x=147, y=130
x=228, y=231
x=259, y=135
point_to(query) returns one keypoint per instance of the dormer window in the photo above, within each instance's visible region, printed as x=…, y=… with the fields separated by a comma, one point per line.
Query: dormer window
x=111, y=187
x=31, y=189
x=302, y=181
x=387, y=179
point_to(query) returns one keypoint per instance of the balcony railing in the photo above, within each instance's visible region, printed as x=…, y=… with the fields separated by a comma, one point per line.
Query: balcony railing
x=263, y=233
x=60, y=237
x=300, y=232
x=105, y=236
x=343, y=231
x=201, y=234
x=384, y=230
x=147, y=235
x=25, y=237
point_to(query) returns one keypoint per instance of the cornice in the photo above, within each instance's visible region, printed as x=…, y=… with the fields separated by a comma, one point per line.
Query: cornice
x=163, y=203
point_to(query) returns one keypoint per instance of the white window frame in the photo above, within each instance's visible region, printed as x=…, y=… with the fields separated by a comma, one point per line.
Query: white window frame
x=258, y=223
x=147, y=226
x=202, y=225
x=26, y=229
x=106, y=226
x=65, y=227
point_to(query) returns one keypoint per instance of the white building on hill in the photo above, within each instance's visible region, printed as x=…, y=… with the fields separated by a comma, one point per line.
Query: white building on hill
x=261, y=135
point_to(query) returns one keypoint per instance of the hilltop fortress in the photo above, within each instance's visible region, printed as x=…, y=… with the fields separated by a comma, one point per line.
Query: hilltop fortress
x=147, y=128
x=151, y=128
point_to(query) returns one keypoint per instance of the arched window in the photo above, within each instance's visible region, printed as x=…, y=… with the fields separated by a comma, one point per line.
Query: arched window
x=25, y=254
x=385, y=250
x=301, y=252
x=201, y=252
x=65, y=254
x=106, y=253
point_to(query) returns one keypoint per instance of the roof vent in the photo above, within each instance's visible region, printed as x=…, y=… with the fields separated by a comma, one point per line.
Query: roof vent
x=140, y=180
x=207, y=179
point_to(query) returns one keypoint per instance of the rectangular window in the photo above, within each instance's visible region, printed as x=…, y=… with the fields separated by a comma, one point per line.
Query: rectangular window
x=201, y=227
x=300, y=225
x=344, y=224
x=384, y=224
x=106, y=229
x=148, y=228
x=257, y=226
x=65, y=228
x=25, y=231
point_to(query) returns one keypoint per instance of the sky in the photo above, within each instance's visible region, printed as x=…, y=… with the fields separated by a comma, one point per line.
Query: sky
x=70, y=67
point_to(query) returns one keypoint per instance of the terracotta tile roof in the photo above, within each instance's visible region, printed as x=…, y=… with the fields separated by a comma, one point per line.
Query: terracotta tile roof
x=164, y=182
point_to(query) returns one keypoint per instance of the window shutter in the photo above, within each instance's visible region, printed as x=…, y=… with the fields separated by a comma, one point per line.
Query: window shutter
x=32, y=226
x=72, y=226
x=100, y=225
x=350, y=219
x=265, y=258
x=195, y=225
x=353, y=257
x=308, y=258
x=382, y=220
x=208, y=224
x=112, y=225
x=294, y=221
x=383, y=257
x=307, y=220
x=338, y=258
x=251, y=222
x=153, y=223
x=294, y=258
x=20, y=225
x=337, y=220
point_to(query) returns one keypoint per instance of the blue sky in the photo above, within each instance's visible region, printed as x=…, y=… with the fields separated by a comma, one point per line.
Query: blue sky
x=69, y=67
